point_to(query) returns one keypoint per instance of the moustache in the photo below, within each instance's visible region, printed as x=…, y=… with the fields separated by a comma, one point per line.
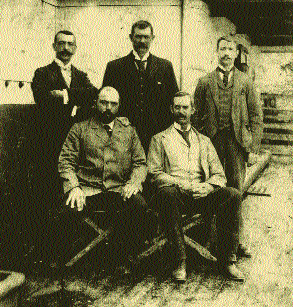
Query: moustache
x=226, y=57
x=66, y=53
x=181, y=116
x=142, y=45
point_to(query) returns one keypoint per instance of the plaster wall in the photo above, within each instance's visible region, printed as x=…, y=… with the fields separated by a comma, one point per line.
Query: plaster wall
x=185, y=34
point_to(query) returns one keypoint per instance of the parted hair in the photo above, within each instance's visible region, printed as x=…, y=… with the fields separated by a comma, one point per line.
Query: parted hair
x=141, y=24
x=227, y=38
x=66, y=32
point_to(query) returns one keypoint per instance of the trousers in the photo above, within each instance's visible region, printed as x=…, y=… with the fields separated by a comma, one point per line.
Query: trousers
x=232, y=156
x=172, y=202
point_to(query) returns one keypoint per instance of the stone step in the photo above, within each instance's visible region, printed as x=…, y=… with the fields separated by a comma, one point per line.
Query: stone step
x=288, y=126
x=278, y=119
x=278, y=130
x=279, y=150
x=277, y=142
x=278, y=136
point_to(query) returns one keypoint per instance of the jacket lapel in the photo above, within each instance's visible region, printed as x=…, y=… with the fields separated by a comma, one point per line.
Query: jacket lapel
x=236, y=87
x=73, y=76
x=57, y=75
x=130, y=66
x=213, y=84
x=98, y=129
x=171, y=136
x=152, y=65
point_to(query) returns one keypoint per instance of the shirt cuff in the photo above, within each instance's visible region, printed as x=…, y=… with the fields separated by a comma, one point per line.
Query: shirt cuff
x=65, y=96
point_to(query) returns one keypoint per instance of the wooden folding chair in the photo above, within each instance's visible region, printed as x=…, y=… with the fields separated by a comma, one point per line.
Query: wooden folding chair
x=189, y=222
x=102, y=235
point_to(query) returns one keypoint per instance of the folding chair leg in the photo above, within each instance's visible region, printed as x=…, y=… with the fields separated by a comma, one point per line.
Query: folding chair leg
x=204, y=252
x=89, y=247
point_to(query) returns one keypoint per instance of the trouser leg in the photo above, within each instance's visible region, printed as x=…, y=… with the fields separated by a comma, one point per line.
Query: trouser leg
x=169, y=201
x=226, y=203
x=233, y=158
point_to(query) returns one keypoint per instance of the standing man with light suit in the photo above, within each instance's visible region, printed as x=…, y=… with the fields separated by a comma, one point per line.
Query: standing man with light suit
x=229, y=113
x=145, y=82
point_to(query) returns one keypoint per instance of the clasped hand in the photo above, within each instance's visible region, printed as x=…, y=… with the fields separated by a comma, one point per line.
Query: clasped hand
x=130, y=189
x=76, y=197
x=197, y=190
x=57, y=93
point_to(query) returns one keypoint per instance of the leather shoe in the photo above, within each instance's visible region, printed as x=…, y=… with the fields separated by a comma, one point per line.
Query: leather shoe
x=179, y=273
x=243, y=252
x=233, y=273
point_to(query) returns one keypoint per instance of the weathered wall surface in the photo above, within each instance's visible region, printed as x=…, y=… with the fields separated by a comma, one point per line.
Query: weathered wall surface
x=200, y=34
x=186, y=35
x=102, y=32
x=26, y=28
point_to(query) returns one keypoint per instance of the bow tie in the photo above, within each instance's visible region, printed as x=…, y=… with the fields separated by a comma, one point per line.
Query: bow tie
x=66, y=68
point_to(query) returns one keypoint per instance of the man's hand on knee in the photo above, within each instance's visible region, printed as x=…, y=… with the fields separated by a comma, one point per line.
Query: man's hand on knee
x=130, y=189
x=201, y=189
x=76, y=198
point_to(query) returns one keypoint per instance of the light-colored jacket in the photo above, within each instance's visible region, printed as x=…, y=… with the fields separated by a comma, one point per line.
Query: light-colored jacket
x=162, y=152
x=96, y=163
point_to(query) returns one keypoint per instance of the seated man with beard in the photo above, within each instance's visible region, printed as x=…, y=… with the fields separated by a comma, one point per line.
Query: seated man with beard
x=103, y=165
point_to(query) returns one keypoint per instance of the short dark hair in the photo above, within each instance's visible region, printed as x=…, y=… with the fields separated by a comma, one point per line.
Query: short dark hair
x=227, y=38
x=141, y=24
x=183, y=94
x=66, y=32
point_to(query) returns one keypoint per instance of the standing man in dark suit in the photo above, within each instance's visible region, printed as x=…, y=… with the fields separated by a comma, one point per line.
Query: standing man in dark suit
x=146, y=84
x=63, y=95
x=229, y=113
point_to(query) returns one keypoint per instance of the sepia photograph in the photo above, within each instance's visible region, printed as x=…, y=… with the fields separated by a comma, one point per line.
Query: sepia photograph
x=146, y=153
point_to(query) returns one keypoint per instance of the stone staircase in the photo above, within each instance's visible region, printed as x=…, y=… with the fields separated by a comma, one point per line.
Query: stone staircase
x=278, y=132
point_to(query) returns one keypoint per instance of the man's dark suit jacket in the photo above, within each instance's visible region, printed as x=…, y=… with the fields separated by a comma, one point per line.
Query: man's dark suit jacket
x=54, y=116
x=246, y=113
x=48, y=78
x=151, y=115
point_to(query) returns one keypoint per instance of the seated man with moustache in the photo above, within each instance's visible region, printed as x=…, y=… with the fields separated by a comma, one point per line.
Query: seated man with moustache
x=102, y=165
x=188, y=175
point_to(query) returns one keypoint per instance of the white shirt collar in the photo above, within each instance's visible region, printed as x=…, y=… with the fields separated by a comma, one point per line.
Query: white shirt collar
x=178, y=127
x=136, y=56
x=111, y=125
x=62, y=65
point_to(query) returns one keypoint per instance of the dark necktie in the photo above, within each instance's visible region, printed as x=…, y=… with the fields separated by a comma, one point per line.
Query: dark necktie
x=226, y=75
x=108, y=129
x=185, y=135
x=140, y=65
